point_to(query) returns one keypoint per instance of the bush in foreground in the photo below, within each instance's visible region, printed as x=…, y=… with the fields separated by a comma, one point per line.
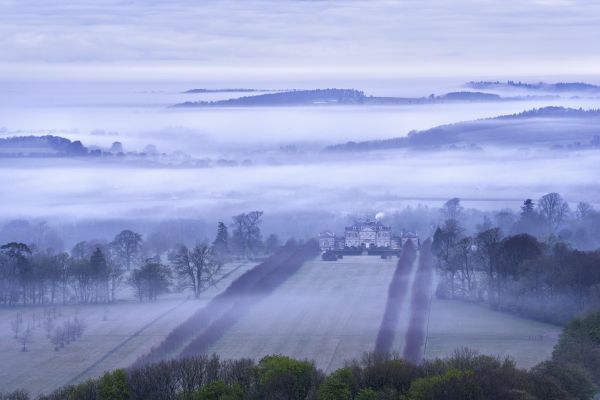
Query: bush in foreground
x=579, y=344
x=465, y=375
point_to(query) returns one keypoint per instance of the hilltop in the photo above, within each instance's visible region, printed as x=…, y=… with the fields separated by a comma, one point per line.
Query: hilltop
x=41, y=146
x=571, y=128
x=539, y=86
x=345, y=97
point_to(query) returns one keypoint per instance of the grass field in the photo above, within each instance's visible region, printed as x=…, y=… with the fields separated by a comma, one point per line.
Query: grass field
x=454, y=324
x=330, y=312
x=129, y=330
x=327, y=312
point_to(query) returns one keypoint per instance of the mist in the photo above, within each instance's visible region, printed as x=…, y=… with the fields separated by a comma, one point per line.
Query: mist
x=230, y=195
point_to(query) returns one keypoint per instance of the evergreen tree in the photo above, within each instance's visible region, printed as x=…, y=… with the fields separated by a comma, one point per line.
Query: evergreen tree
x=221, y=242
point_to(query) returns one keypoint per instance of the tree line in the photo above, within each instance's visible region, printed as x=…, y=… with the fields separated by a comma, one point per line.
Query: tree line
x=465, y=375
x=232, y=303
x=536, y=273
x=94, y=271
x=573, y=373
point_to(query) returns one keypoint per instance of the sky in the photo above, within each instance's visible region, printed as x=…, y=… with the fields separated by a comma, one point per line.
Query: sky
x=184, y=39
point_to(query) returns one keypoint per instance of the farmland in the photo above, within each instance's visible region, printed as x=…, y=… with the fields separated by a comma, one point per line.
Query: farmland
x=116, y=335
x=327, y=312
x=331, y=312
x=454, y=324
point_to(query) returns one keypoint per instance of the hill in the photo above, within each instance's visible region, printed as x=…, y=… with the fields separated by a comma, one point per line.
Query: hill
x=292, y=98
x=548, y=126
x=539, y=86
x=41, y=146
x=342, y=97
x=229, y=90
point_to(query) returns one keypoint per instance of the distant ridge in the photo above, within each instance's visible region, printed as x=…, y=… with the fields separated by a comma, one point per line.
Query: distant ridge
x=346, y=97
x=45, y=146
x=539, y=86
x=520, y=129
x=238, y=90
x=552, y=112
x=296, y=97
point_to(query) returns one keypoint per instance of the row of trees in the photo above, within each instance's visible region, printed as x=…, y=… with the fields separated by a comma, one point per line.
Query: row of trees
x=465, y=375
x=94, y=271
x=548, y=280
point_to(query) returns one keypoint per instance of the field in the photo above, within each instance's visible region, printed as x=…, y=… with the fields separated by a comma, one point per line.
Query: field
x=331, y=312
x=116, y=336
x=454, y=324
x=327, y=312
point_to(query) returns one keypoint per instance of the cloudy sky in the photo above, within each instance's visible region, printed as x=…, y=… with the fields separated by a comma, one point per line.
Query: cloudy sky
x=179, y=39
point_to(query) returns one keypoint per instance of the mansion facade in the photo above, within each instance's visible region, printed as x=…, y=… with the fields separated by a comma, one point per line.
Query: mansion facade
x=365, y=234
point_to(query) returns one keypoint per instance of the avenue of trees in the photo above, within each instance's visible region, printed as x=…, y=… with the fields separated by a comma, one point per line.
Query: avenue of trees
x=94, y=271
x=531, y=270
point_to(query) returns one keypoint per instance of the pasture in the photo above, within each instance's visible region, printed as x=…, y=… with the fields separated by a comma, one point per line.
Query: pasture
x=453, y=324
x=116, y=335
x=327, y=312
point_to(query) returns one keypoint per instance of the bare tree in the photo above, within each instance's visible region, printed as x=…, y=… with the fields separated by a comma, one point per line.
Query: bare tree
x=150, y=280
x=16, y=324
x=554, y=210
x=464, y=263
x=584, y=210
x=246, y=232
x=197, y=269
x=57, y=338
x=487, y=244
x=25, y=338
x=452, y=208
x=127, y=246
x=48, y=323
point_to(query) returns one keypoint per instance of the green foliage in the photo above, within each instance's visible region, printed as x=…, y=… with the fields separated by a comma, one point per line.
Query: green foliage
x=218, y=390
x=113, y=386
x=553, y=380
x=281, y=377
x=464, y=376
x=337, y=386
x=579, y=344
x=588, y=326
x=87, y=390
x=366, y=394
x=396, y=373
x=454, y=384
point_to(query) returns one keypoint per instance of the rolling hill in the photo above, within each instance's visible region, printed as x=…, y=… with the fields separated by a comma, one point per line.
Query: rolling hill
x=555, y=127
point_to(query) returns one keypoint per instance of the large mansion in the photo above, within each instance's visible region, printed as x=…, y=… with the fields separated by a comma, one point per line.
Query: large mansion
x=365, y=234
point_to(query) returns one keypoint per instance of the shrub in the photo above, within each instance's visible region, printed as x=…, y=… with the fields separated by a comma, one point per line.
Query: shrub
x=218, y=390
x=113, y=386
x=553, y=380
x=396, y=373
x=366, y=394
x=16, y=395
x=579, y=344
x=337, y=386
x=454, y=384
x=281, y=377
